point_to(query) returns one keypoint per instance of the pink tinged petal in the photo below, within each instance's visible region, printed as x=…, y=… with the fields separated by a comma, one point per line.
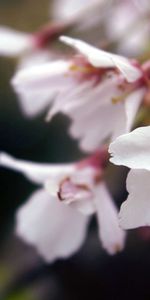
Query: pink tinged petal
x=36, y=172
x=132, y=149
x=93, y=121
x=128, y=109
x=90, y=105
x=135, y=211
x=110, y=233
x=33, y=102
x=112, y=119
x=111, y=122
x=13, y=43
x=103, y=92
x=103, y=59
x=96, y=120
x=37, y=86
x=68, y=98
x=44, y=76
x=35, y=57
x=55, y=230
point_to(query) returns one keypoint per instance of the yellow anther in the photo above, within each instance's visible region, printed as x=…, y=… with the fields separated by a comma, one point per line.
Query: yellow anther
x=120, y=98
x=82, y=69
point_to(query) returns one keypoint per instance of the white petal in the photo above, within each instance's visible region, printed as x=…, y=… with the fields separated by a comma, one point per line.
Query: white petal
x=37, y=86
x=100, y=58
x=98, y=118
x=132, y=149
x=132, y=104
x=135, y=211
x=36, y=172
x=128, y=110
x=56, y=230
x=111, y=235
x=85, y=206
x=34, y=101
x=69, y=97
x=46, y=75
x=112, y=122
x=12, y=42
x=35, y=57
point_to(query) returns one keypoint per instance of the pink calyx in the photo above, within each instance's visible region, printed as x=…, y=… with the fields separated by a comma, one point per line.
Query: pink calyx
x=98, y=160
x=48, y=34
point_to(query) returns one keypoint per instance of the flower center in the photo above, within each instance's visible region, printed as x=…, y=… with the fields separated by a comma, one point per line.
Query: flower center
x=82, y=70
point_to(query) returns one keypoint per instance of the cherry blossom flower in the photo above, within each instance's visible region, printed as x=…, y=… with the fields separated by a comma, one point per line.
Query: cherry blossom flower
x=129, y=26
x=64, y=14
x=55, y=217
x=32, y=48
x=100, y=92
x=125, y=23
x=133, y=150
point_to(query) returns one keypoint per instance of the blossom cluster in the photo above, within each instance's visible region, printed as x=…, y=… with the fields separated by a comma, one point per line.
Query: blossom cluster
x=102, y=93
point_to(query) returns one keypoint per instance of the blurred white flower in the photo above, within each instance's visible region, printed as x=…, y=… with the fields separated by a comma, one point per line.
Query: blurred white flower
x=133, y=150
x=55, y=217
x=85, y=15
x=129, y=25
x=98, y=90
x=64, y=14
x=32, y=48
